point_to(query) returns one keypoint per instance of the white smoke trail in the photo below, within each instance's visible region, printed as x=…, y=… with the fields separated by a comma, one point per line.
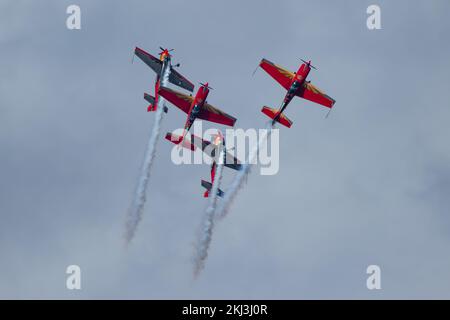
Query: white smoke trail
x=241, y=177
x=140, y=196
x=205, y=235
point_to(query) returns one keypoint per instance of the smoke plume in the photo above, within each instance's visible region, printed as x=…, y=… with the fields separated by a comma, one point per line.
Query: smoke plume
x=205, y=234
x=136, y=210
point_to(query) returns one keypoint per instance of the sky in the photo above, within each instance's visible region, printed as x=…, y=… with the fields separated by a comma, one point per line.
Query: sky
x=369, y=185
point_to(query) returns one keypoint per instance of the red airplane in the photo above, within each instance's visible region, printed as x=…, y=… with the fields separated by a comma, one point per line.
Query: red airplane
x=211, y=148
x=161, y=66
x=196, y=107
x=296, y=85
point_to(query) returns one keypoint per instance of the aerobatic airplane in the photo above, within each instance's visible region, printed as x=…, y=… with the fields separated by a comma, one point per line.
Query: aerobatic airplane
x=296, y=85
x=212, y=149
x=196, y=107
x=160, y=66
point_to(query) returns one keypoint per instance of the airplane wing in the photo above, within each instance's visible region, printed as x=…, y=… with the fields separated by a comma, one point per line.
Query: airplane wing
x=149, y=60
x=210, y=113
x=282, y=76
x=181, y=100
x=230, y=161
x=200, y=143
x=192, y=142
x=177, y=79
x=314, y=94
x=176, y=139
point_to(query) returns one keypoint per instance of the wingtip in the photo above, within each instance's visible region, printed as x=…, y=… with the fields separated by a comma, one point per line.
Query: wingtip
x=137, y=49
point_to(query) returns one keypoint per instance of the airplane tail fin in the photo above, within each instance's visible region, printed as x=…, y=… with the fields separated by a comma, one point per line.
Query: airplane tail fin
x=176, y=139
x=208, y=186
x=153, y=104
x=273, y=114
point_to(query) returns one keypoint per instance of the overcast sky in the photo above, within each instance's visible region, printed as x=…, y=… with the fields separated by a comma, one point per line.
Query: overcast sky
x=368, y=185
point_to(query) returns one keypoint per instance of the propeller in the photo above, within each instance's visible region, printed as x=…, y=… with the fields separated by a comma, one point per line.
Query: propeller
x=206, y=85
x=162, y=50
x=217, y=135
x=309, y=64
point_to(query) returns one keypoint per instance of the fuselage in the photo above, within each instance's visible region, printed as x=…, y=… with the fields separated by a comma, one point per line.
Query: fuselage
x=219, y=143
x=164, y=57
x=196, y=106
x=296, y=85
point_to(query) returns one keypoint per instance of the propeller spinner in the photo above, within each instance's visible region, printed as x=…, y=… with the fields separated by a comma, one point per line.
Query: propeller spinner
x=206, y=85
x=309, y=64
x=162, y=50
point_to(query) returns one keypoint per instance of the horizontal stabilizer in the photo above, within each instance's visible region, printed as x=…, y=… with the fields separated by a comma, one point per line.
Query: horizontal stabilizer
x=208, y=186
x=153, y=106
x=176, y=139
x=278, y=117
x=149, y=98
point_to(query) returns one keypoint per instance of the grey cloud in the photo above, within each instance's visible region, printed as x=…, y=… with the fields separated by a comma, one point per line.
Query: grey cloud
x=368, y=185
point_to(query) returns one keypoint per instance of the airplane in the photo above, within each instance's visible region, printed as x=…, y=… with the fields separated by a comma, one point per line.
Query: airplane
x=211, y=148
x=296, y=85
x=196, y=107
x=160, y=66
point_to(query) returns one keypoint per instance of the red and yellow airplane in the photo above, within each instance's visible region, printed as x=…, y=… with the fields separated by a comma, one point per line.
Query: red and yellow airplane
x=196, y=107
x=296, y=85
x=212, y=149
x=161, y=66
